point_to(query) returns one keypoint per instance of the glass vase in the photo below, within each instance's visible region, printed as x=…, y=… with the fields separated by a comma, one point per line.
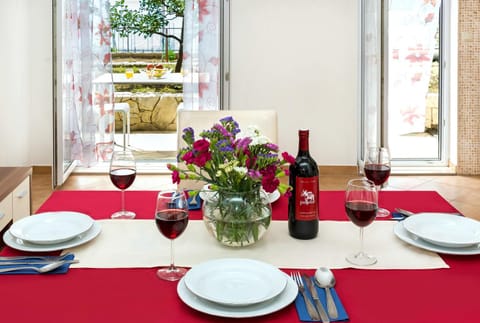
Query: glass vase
x=237, y=219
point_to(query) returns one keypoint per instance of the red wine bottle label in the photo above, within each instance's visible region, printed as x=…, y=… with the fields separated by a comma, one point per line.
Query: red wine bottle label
x=306, y=195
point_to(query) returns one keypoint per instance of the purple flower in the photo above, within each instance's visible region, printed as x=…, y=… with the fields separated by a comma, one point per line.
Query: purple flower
x=188, y=135
x=272, y=146
x=243, y=143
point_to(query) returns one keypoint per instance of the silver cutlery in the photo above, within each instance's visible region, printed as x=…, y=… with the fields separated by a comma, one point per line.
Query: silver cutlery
x=44, y=258
x=409, y=213
x=312, y=312
x=44, y=269
x=316, y=299
x=325, y=279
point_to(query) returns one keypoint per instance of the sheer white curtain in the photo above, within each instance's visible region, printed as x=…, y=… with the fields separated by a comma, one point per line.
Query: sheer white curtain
x=371, y=73
x=413, y=26
x=88, y=127
x=201, y=56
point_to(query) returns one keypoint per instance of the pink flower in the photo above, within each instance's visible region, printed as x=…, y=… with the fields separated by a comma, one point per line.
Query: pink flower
x=188, y=158
x=288, y=158
x=270, y=184
x=201, y=159
x=201, y=145
x=175, y=177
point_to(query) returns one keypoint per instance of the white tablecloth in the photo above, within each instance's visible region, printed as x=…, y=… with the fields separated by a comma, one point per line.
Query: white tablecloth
x=138, y=243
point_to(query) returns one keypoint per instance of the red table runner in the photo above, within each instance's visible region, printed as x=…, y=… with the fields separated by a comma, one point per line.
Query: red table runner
x=137, y=295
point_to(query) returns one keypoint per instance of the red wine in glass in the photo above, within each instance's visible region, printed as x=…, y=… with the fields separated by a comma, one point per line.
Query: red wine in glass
x=122, y=178
x=361, y=213
x=171, y=218
x=171, y=223
x=377, y=173
x=123, y=171
x=361, y=207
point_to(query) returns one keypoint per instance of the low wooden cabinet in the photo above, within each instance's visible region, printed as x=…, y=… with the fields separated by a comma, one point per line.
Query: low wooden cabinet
x=15, y=195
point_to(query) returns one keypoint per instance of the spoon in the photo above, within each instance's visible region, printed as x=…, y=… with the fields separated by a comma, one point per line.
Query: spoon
x=43, y=269
x=324, y=278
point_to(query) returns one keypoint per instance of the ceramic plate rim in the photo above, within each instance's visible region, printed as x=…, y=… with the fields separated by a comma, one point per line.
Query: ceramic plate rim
x=279, y=302
x=22, y=229
x=260, y=270
x=404, y=235
x=85, y=237
x=414, y=224
x=206, y=193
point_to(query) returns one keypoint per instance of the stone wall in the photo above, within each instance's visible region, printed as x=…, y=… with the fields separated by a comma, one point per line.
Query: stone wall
x=149, y=111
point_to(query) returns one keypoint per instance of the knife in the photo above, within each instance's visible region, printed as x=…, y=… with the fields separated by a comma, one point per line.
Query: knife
x=318, y=304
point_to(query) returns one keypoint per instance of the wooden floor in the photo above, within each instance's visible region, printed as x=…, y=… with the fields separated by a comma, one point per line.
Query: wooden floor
x=463, y=192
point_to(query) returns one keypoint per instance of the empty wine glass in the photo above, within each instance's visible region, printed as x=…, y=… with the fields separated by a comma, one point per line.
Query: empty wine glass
x=123, y=171
x=361, y=204
x=171, y=217
x=377, y=169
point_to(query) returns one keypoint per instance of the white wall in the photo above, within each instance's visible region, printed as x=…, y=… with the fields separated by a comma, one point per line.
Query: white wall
x=300, y=58
x=25, y=83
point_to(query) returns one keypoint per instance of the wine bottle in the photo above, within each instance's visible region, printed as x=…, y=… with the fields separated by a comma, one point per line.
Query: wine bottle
x=303, y=203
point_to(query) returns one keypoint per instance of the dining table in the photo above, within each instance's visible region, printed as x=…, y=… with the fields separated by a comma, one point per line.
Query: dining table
x=137, y=295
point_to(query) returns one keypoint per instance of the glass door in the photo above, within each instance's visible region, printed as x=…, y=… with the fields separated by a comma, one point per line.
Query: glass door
x=404, y=78
x=415, y=131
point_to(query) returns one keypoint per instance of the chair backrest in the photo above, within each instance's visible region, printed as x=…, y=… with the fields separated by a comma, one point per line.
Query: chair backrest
x=265, y=120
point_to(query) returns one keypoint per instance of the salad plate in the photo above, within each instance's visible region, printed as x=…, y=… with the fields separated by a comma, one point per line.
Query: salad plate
x=235, y=281
x=444, y=229
x=22, y=245
x=406, y=236
x=285, y=298
x=51, y=227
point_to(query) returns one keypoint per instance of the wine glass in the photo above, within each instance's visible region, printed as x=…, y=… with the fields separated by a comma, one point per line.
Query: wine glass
x=377, y=169
x=122, y=174
x=361, y=204
x=171, y=217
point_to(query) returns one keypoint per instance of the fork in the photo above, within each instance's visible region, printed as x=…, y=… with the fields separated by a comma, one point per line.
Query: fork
x=44, y=258
x=43, y=269
x=301, y=287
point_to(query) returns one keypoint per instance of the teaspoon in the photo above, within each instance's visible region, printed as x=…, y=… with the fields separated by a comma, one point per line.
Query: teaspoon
x=324, y=278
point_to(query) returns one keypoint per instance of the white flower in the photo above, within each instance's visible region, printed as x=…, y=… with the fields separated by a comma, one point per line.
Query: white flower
x=253, y=132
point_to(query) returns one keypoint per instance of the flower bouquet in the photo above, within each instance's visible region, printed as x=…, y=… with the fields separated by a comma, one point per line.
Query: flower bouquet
x=241, y=167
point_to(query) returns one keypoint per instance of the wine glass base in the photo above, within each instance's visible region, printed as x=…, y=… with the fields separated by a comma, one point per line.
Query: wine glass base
x=361, y=259
x=171, y=273
x=123, y=215
x=382, y=213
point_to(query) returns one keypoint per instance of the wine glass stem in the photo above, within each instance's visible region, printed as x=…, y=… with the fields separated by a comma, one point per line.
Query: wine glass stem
x=123, y=200
x=172, y=264
x=361, y=240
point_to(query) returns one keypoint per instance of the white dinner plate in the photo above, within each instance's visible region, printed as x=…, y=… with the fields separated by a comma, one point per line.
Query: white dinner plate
x=19, y=244
x=444, y=229
x=51, y=227
x=235, y=281
x=410, y=238
x=286, y=297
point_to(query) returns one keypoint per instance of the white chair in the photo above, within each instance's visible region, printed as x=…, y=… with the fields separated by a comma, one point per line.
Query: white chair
x=124, y=108
x=265, y=120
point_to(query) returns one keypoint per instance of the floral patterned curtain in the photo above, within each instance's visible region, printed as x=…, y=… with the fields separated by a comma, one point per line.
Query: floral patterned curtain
x=201, y=56
x=413, y=25
x=88, y=127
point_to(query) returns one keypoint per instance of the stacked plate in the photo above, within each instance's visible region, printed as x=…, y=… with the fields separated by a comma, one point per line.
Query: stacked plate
x=441, y=232
x=51, y=231
x=236, y=287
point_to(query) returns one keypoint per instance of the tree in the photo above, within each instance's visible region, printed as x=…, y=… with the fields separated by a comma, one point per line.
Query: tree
x=151, y=17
